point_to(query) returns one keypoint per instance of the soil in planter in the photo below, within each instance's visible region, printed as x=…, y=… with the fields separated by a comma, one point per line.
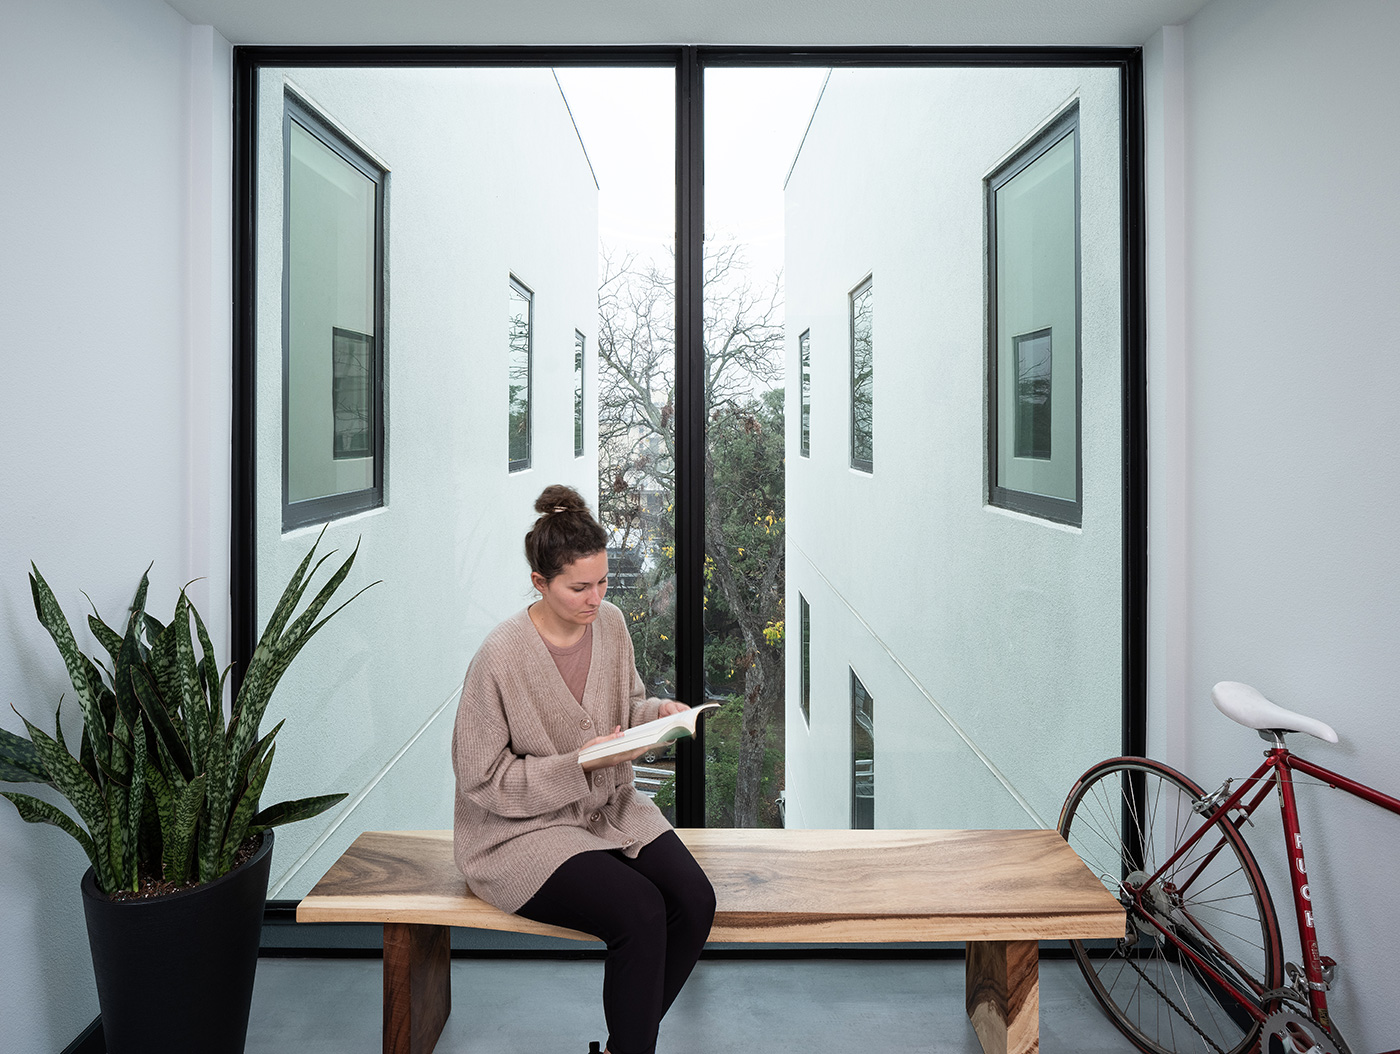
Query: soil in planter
x=150, y=886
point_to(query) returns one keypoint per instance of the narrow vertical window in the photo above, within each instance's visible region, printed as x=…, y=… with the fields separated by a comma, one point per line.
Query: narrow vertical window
x=862, y=756
x=806, y=696
x=578, y=394
x=804, y=351
x=332, y=322
x=1033, y=346
x=521, y=323
x=862, y=379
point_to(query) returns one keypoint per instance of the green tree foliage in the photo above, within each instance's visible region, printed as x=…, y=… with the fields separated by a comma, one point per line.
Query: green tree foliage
x=744, y=508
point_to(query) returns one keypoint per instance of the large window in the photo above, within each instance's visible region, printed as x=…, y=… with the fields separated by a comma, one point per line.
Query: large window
x=333, y=311
x=806, y=689
x=1033, y=429
x=521, y=306
x=862, y=378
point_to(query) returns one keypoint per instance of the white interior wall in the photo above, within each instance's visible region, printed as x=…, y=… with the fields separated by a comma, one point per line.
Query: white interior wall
x=114, y=416
x=1285, y=449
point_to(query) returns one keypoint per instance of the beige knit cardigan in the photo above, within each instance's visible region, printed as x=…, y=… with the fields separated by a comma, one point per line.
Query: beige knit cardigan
x=524, y=805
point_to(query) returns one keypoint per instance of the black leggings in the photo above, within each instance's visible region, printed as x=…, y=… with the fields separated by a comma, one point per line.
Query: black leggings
x=653, y=913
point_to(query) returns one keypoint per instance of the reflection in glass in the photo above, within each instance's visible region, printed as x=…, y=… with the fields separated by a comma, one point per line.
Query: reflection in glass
x=862, y=380
x=578, y=393
x=804, y=354
x=331, y=231
x=862, y=757
x=1033, y=376
x=518, y=365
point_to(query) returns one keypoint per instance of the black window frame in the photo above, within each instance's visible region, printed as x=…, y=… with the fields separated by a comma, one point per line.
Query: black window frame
x=514, y=464
x=860, y=821
x=1045, y=506
x=689, y=63
x=866, y=287
x=330, y=507
x=804, y=609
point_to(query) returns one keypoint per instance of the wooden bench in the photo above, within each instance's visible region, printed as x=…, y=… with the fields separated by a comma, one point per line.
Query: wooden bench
x=999, y=891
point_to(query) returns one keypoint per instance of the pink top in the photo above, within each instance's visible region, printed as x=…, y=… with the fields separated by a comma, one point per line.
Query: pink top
x=573, y=661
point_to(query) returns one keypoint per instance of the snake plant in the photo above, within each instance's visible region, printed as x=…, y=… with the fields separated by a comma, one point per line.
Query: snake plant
x=162, y=788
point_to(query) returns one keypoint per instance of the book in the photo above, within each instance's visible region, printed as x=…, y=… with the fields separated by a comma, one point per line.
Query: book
x=650, y=734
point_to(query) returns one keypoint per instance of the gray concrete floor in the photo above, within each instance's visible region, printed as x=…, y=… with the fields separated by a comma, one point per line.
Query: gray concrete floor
x=311, y=1006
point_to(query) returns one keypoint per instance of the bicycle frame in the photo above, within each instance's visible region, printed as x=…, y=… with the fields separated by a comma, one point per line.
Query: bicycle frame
x=1276, y=771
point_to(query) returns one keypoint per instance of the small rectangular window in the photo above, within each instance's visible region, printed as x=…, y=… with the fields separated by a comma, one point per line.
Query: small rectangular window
x=1033, y=324
x=806, y=697
x=862, y=756
x=804, y=352
x=332, y=322
x=862, y=379
x=521, y=324
x=578, y=394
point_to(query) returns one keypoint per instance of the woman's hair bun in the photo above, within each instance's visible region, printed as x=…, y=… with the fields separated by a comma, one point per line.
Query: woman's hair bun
x=559, y=498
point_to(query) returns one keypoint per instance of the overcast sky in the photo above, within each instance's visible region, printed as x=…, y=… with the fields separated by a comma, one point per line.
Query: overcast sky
x=754, y=121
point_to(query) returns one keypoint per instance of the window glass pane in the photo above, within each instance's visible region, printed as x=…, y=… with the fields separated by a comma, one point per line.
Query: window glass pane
x=804, y=346
x=862, y=756
x=992, y=639
x=578, y=393
x=480, y=373
x=331, y=232
x=1036, y=306
x=862, y=379
x=518, y=358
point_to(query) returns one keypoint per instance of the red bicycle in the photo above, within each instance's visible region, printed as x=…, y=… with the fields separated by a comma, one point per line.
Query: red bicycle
x=1201, y=968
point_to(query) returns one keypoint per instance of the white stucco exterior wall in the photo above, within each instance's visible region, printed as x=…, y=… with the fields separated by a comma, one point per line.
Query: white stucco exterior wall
x=953, y=614
x=1288, y=226
x=114, y=415
x=486, y=179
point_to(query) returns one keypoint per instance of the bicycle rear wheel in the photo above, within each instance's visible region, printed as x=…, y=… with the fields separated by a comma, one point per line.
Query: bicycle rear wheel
x=1125, y=817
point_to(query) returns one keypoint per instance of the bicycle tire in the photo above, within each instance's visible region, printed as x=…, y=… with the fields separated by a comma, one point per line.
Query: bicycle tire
x=1154, y=993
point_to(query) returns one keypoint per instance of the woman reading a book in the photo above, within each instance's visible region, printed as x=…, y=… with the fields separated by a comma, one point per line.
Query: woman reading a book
x=564, y=841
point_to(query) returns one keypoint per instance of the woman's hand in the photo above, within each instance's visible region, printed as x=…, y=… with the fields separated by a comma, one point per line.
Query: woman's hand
x=615, y=759
x=669, y=707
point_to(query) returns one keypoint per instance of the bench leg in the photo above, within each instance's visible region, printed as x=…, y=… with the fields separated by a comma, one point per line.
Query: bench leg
x=1003, y=995
x=417, y=986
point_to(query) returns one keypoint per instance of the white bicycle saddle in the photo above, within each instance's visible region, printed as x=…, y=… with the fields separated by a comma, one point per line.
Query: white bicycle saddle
x=1239, y=702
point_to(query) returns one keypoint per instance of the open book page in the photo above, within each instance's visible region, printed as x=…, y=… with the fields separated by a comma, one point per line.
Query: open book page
x=652, y=733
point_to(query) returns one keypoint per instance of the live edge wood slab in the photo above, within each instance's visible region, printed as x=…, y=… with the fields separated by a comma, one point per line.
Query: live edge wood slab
x=999, y=891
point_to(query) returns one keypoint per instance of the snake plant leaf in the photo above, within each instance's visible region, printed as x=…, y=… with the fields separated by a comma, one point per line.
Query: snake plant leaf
x=244, y=812
x=169, y=740
x=179, y=840
x=120, y=849
x=162, y=795
x=217, y=799
x=19, y=761
x=32, y=810
x=266, y=668
x=193, y=708
x=81, y=671
x=163, y=662
x=154, y=629
x=209, y=674
x=292, y=811
x=88, y=758
x=135, y=804
x=69, y=777
x=109, y=638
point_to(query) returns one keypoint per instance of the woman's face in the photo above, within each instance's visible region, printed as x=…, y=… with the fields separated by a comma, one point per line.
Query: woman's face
x=574, y=595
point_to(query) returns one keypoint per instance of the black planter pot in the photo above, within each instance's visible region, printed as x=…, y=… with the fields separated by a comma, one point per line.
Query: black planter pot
x=175, y=973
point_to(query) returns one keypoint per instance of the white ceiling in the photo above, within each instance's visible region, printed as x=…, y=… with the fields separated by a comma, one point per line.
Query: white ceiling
x=779, y=22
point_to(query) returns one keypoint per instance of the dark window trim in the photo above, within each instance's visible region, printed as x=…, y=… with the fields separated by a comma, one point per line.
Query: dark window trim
x=521, y=464
x=1058, y=510
x=867, y=284
x=580, y=418
x=805, y=657
x=869, y=725
x=689, y=63
x=804, y=362
x=333, y=506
